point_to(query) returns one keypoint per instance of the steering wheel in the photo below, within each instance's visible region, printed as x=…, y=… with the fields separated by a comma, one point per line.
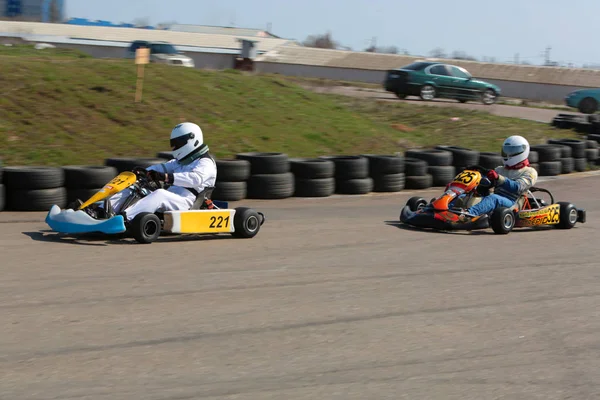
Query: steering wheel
x=144, y=180
x=479, y=168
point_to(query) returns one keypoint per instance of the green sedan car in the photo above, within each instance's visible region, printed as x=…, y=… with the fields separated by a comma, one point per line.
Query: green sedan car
x=430, y=80
x=585, y=100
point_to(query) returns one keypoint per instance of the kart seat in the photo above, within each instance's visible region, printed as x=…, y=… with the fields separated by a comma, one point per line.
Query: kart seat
x=203, y=201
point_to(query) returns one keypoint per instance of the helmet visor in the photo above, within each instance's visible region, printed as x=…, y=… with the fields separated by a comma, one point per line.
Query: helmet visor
x=179, y=142
x=511, y=151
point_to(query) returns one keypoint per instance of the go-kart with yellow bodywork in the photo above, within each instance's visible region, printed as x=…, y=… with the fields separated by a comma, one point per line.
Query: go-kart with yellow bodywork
x=205, y=216
x=445, y=211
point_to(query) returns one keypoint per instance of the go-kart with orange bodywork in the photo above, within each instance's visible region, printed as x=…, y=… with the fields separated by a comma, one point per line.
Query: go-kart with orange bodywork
x=467, y=189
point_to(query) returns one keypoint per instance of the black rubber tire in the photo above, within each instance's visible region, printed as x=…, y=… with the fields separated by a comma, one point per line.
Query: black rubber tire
x=535, y=166
x=389, y=183
x=233, y=170
x=594, y=137
x=230, y=191
x=567, y=216
x=419, y=182
x=165, y=155
x=588, y=105
x=567, y=165
x=354, y=186
x=266, y=163
x=2, y=197
x=591, y=144
x=33, y=178
x=547, y=152
x=533, y=157
x=565, y=151
x=592, y=154
x=380, y=165
x=35, y=199
x=433, y=157
x=490, y=160
x=271, y=186
x=246, y=223
x=81, y=194
x=145, y=227
x=88, y=177
x=415, y=167
x=312, y=168
x=415, y=202
x=442, y=175
x=577, y=146
x=550, y=168
x=127, y=164
x=581, y=164
x=499, y=220
x=461, y=156
x=321, y=187
x=349, y=167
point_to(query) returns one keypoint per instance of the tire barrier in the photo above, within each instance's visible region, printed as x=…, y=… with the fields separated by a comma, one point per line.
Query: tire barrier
x=387, y=172
x=313, y=177
x=232, y=180
x=275, y=176
x=270, y=176
x=34, y=188
x=351, y=174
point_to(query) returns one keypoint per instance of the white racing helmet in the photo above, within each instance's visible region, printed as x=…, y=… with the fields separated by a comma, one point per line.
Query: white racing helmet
x=185, y=139
x=515, y=149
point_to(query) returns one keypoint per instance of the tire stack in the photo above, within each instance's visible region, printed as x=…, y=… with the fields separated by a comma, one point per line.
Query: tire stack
x=577, y=155
x=351, y=174
x=387, y=172
x=491, y=160
x=232, y=180
x=549, y=159
x=127, y=164
x=82, y=182
x=591, y=152
x=439, y=164
x=165, y=155
x=534, y=159
x=270, y=176
x=461, y=156
x=313, y=177
x=417, y=177
x=34, y=188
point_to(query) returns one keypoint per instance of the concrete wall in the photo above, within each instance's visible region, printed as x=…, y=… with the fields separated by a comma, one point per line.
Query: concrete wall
x=201, y=60
x=521, y=90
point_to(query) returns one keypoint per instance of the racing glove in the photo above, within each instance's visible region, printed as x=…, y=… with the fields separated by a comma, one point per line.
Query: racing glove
x=157, y=176
x=139, y=171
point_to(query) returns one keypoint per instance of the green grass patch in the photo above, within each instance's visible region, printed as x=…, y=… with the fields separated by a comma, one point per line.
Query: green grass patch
x=58, y=108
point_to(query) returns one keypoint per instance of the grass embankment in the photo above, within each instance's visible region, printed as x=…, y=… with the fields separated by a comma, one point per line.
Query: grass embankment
x=57, y=108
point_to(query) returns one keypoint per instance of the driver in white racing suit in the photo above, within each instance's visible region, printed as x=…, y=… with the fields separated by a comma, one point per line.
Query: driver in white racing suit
x=191, y=171
x=510, y=181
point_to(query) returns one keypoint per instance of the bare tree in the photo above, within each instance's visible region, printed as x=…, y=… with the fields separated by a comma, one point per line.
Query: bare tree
x=321, y=41
x=461, y=55
x=438, y=52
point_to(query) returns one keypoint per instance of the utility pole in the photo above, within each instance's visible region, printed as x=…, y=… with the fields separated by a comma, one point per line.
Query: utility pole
x=548, y=55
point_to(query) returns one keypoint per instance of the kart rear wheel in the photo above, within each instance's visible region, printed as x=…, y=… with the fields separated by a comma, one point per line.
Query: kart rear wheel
x=246, y=223
x=414, y=203
x=145, y=227
x=568, y=216
x=503, y=220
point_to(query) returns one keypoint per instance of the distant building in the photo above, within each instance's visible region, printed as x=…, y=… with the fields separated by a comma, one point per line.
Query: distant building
x=33, y=10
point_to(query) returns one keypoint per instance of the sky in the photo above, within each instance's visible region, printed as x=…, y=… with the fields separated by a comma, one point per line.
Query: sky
x=499, y=29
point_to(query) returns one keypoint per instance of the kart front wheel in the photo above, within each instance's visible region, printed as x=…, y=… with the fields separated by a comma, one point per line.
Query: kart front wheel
x=414, y=203
x=246, y=223
x=503, y=220
x=145, y=227
x=567, y=215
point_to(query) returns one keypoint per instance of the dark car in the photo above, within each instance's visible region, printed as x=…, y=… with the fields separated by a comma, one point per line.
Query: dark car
x=430, y=80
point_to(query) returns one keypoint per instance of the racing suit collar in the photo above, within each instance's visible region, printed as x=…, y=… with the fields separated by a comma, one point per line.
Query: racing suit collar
x=520, y=165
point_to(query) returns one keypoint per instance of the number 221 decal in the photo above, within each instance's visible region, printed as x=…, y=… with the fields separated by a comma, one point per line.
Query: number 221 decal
x=219, y=222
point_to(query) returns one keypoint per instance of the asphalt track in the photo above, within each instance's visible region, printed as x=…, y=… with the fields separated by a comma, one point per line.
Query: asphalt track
x=332, y=300
x=544, y=115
